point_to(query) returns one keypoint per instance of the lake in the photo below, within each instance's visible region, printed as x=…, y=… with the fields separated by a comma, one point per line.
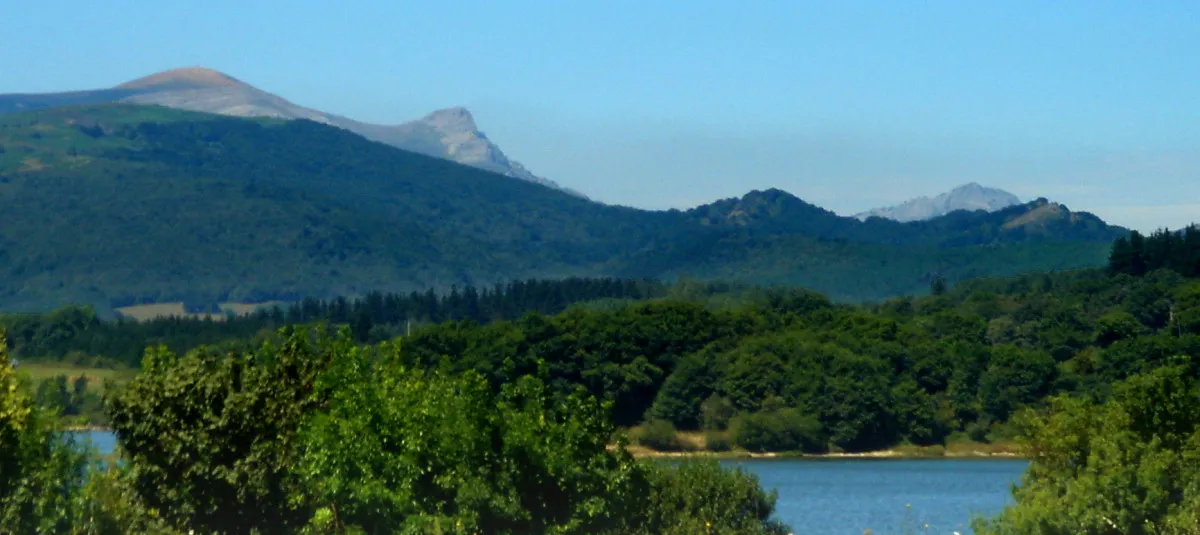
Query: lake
x=849, y=496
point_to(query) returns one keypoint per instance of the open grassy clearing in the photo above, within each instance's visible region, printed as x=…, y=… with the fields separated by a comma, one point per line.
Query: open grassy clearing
x=42, y=371
x=176, y=309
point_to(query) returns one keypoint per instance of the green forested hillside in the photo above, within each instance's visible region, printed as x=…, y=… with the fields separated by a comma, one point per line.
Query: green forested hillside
x=113, y=205
x=1093, y=372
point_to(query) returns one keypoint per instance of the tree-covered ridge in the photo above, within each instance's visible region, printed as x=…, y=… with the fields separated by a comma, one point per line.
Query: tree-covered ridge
x=137, y=204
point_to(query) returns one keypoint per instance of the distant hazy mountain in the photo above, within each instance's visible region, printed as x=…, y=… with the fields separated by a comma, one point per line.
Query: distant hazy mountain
x=966, y=197
x=450, y=133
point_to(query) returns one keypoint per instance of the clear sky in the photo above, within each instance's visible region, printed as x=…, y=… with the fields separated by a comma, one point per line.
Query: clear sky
x=659, y=104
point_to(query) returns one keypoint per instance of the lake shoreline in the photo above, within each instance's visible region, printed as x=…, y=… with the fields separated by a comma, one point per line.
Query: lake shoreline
x=1004, y=451
x=896, y=454
x=87, y=427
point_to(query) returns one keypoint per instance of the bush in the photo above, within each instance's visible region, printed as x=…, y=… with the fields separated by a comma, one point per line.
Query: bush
x=701, y=497
x=717, y=441
x=781, y=430
x=211, y=439
x=715, y=412
x=659, y=435
x=978, y=431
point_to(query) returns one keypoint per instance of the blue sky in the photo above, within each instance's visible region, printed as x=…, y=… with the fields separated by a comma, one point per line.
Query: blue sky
x=661, y=104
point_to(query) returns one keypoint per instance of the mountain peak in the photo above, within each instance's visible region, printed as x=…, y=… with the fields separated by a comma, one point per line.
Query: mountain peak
x=183, y=78
x=455, y=119
x=970, y=196
x=449, y=133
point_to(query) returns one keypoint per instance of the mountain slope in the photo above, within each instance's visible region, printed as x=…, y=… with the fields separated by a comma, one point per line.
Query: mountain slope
x=118, y=204
x=968, y=197
x=451, y=133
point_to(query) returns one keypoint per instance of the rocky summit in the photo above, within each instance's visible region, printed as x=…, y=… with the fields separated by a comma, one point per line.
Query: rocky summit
x=968, y=197
x=450, y=133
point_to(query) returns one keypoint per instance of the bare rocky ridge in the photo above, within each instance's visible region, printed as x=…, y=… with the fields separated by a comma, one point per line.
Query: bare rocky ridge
x=966, y=197
x=450, y=133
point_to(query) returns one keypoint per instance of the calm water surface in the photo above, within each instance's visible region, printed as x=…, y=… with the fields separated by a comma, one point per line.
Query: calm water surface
x=104, y=442
x=849, y=496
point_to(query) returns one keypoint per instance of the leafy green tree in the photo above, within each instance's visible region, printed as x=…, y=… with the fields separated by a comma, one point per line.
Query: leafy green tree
x=784, y=429
x=715, y=413
x=701, y=497
x=753, y=371
x=1125, y=467
x=1187, y=308
x=1120, y=259
x=1116, y=326
x=916, y=414
x=404, y=450
x=42, y=475
x=680, y=398
x=855, y=405
x=1014, y=378
x=210, y=439
x=52, y=394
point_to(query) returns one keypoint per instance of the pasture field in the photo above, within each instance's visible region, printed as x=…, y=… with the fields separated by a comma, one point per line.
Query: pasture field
x=42, y=371
x=176, y=309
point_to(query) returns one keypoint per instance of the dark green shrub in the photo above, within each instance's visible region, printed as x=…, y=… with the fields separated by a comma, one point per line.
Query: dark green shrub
x=717, y=441
x=978, y=431
x=659, y=435
x=781, y=430
x=701, y=497
x=715, y=412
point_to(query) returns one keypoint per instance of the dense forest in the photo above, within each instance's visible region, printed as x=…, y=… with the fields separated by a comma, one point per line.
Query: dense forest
x=76, y=335
x=515, y=426
x=122, y=205
x=954, y=365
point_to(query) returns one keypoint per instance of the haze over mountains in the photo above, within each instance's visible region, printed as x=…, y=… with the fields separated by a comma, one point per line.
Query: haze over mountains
x=450, y=133
x=966, y=197
x=117, y=204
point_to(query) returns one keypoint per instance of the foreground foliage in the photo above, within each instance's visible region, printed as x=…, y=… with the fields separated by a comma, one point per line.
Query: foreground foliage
x=318, y=435
x=42, y=475
x=1127, y=466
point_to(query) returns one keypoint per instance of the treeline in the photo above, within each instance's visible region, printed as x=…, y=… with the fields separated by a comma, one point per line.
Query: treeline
x=1178, y=251
x=481, y=305
x=507, y=426
x=78, y=336
x=916, y=370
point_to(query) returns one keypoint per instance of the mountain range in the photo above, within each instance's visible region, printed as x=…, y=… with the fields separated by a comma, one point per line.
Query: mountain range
x=120, y=204
x=450, y=133
x=966, y=197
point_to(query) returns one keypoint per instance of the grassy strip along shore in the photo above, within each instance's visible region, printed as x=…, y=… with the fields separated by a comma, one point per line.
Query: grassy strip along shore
x=694, y=445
